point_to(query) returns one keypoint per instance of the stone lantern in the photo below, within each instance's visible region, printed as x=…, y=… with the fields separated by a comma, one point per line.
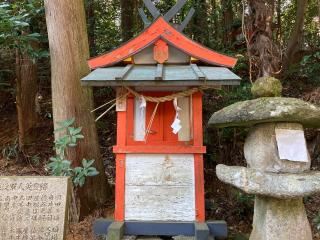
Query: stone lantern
x=278, y=171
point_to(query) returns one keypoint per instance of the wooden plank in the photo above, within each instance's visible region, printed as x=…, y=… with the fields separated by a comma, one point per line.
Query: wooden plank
x=125, y=71
x=185, y=118
x=197, y=119
x=121, y=100
x=199, y=187
x=159, y=72
x=160, y=169
x=176, y=83
x=120, y=167
x=198, y=72
x=152, y=9
x=217, y=229
x=187, y=19
x=120, y=188
x=159, y=149
x=160, y=51
x=144, y=18
x=160, y=187
x=174, y=10
x=160, y=203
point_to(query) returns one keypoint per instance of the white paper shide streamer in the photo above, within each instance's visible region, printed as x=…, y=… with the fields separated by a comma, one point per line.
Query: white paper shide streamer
x=176, y=125
x=140, y=112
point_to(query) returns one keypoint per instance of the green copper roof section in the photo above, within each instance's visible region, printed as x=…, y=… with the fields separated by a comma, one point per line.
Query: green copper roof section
x=161, y=75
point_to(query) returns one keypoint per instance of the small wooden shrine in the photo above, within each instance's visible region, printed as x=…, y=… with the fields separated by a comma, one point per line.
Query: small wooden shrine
x=159, y=77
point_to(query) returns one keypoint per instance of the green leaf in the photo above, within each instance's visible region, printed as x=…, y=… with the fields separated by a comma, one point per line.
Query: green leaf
x=77, y=169
x=75, y=131
x=66, y=123
x=21, y=23
x=93, y=173
x=89, y=163
x=4, y=5
x=33, y=36
x=84, y=163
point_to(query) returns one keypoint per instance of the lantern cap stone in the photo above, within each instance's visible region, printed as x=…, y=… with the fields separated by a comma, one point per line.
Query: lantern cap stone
x=285, y=185
x=267, y=109
x=266, y=87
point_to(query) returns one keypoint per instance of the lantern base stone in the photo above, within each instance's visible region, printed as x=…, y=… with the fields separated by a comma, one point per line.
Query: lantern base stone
x=279, y=219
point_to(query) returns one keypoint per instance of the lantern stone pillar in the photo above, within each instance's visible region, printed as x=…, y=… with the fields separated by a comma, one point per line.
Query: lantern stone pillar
x=278, y=170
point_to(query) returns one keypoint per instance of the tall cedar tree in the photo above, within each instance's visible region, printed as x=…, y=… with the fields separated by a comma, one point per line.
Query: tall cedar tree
x=129, y=18
x=264, y=53
x=296, y=38
x=69, y=51
x=26, y=97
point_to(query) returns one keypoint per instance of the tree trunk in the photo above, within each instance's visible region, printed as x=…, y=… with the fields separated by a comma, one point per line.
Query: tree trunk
x=91, y=26
x=69, y=51
x=296, y=38
x=227, y=20
x=265, y=54
x=26, y=94
x=127, y=19
x=279, y=26
x=199, y=23
x=319, y=13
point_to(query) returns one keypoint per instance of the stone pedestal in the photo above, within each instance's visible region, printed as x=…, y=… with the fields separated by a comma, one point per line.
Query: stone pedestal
x=276, y=219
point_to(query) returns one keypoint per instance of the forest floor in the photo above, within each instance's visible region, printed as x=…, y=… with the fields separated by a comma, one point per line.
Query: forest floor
x=222, y=202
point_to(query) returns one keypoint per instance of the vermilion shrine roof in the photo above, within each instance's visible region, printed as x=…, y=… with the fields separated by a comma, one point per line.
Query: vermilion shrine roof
x=161, y=29
x=161, y=56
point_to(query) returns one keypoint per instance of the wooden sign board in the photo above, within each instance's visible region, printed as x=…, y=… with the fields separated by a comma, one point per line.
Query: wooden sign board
x=121, y=101
x=33, y=207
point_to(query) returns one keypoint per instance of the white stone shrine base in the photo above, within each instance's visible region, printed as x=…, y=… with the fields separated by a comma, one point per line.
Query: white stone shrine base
x=279, y=219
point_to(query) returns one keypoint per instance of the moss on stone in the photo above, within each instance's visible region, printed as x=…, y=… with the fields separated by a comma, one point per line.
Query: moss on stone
x=267, y=109
x=266, y=87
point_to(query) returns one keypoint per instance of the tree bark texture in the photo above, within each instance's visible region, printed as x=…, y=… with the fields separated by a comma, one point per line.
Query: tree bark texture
x=265, y=54
x=199, y=23
x=279, y=27
x=129, y=10
x=91, y=26
x=296, y=38
x=69, y=51
x=227, y=20
x=26, y=94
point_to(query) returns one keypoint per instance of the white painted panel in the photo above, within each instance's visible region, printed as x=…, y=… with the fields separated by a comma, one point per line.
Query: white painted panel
x=185, y=117
x=139, y=120
x=160, y=169
x=160, y=187
x=162, y=203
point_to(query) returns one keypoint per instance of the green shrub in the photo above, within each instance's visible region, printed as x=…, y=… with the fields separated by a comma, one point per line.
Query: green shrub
x=59, y=165
x=316, y=221
x=310, y=66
